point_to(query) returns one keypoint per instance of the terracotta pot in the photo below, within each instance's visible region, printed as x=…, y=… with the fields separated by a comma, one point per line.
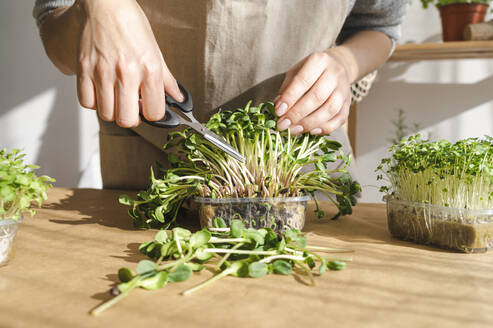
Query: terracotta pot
x=455, y=18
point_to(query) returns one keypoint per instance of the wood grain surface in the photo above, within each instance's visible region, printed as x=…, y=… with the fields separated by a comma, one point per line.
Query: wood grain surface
x=68, y=255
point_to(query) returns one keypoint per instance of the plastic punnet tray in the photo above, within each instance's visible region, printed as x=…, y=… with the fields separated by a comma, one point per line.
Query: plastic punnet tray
x=278, y=213
x=461, y=229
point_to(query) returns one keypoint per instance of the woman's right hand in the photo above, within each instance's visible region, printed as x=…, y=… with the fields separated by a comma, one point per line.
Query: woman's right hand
x=118, y=59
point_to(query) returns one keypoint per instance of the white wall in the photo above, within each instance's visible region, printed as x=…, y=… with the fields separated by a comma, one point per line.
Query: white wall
x=451, y=99
x=39, y=110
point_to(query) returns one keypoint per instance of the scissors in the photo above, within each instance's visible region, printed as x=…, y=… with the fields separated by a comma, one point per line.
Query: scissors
x=172, y=120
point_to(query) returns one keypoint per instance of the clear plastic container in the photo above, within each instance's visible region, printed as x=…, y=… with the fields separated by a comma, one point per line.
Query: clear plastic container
x=8, y=230
x=278, y=213
x=469, y=231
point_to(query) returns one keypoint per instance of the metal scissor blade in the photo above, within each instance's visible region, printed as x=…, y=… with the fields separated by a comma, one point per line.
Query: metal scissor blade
x=216, y=140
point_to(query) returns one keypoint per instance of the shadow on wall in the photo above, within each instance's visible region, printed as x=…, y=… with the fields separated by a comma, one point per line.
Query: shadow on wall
x=25, y=72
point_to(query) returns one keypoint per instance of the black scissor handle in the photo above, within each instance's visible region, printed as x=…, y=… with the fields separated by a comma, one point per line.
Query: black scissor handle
x=171, y=119
x=186, y=105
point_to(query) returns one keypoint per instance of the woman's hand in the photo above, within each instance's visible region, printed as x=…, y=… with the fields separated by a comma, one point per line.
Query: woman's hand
x=118, y=59
x=315, y=95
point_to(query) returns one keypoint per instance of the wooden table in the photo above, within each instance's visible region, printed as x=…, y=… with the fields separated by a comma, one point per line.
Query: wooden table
x=68, y=255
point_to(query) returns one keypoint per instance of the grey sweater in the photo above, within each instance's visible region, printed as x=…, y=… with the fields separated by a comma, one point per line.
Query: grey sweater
x=378, y=15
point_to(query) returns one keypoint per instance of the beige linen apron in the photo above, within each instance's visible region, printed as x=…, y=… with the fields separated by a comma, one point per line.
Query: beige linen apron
x=226, y=52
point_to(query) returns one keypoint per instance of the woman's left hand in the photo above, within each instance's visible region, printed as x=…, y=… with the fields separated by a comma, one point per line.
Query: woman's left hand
x=315, y=96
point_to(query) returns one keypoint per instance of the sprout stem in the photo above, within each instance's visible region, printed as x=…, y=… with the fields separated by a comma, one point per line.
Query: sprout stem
x=108, y=304
x=329, y=249
x=238, y=251
x=208, y=281
x=216, y=240
x=275, y=257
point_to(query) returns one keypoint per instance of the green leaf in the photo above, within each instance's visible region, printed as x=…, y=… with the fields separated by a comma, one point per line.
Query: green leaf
x=296, y=237
x=301, y=241
x=257, y=269
x=144, y=245
x=239, y=269
x=150, y=248
x=181, y=233
x=126, y=286
x=237, y=228
x=330, y=157
x=202, y=256
x=345, y=178
x=281, y=245
x=161, y=236
x=218, y=222
x=166, y=249
x=154, y=282
x=270, y=124
x=281, y=267
x=7, y=194
x=311, y=263
x=253, y=235
x=195, y=266
x=158, y=214
x=200, y=238
x=145, y=266
x=125, y=200
x=181, y=273
x=270, y=239
x=22, y=180
x=125, y=274
x=336, y=265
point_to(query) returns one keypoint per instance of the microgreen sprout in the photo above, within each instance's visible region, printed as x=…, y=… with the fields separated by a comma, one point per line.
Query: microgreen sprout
x=239, y=251
x=19, y=185
x=456, y=175
x=277, y=165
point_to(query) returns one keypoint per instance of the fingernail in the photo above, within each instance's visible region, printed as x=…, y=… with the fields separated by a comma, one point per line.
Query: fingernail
x=296, y=129
x=181, y=97
x=316, y=131
x=282, y=109
x=276, y=98
x=284, y=124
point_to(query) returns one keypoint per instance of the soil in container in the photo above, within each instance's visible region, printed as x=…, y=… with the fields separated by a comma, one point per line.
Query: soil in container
x=457, y=229
x=278, y=214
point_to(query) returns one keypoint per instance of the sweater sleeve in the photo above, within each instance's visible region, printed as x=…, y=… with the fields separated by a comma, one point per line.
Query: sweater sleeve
x=43, y=7
x=383, y=16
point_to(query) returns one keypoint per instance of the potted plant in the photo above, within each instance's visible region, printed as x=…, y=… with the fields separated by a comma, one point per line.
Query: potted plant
x=441, y=193
x=269, y=190
x=457, y=14
x=19, y=187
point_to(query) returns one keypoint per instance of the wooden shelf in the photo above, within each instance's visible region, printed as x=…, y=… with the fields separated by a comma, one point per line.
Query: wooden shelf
x=445, y=50
x=426, y=51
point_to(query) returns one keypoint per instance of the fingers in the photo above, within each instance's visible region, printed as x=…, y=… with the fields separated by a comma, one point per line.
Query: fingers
x=314, y=96
x=127, y=97
x=86, y=91
x=114, y=91
x=337, y=121
x=119, y=59
x=105, y=92
x=329, y=117
x=152, y=93
x=171, y=86
x=309, y=72
x=321, y=90
x=105, y=100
